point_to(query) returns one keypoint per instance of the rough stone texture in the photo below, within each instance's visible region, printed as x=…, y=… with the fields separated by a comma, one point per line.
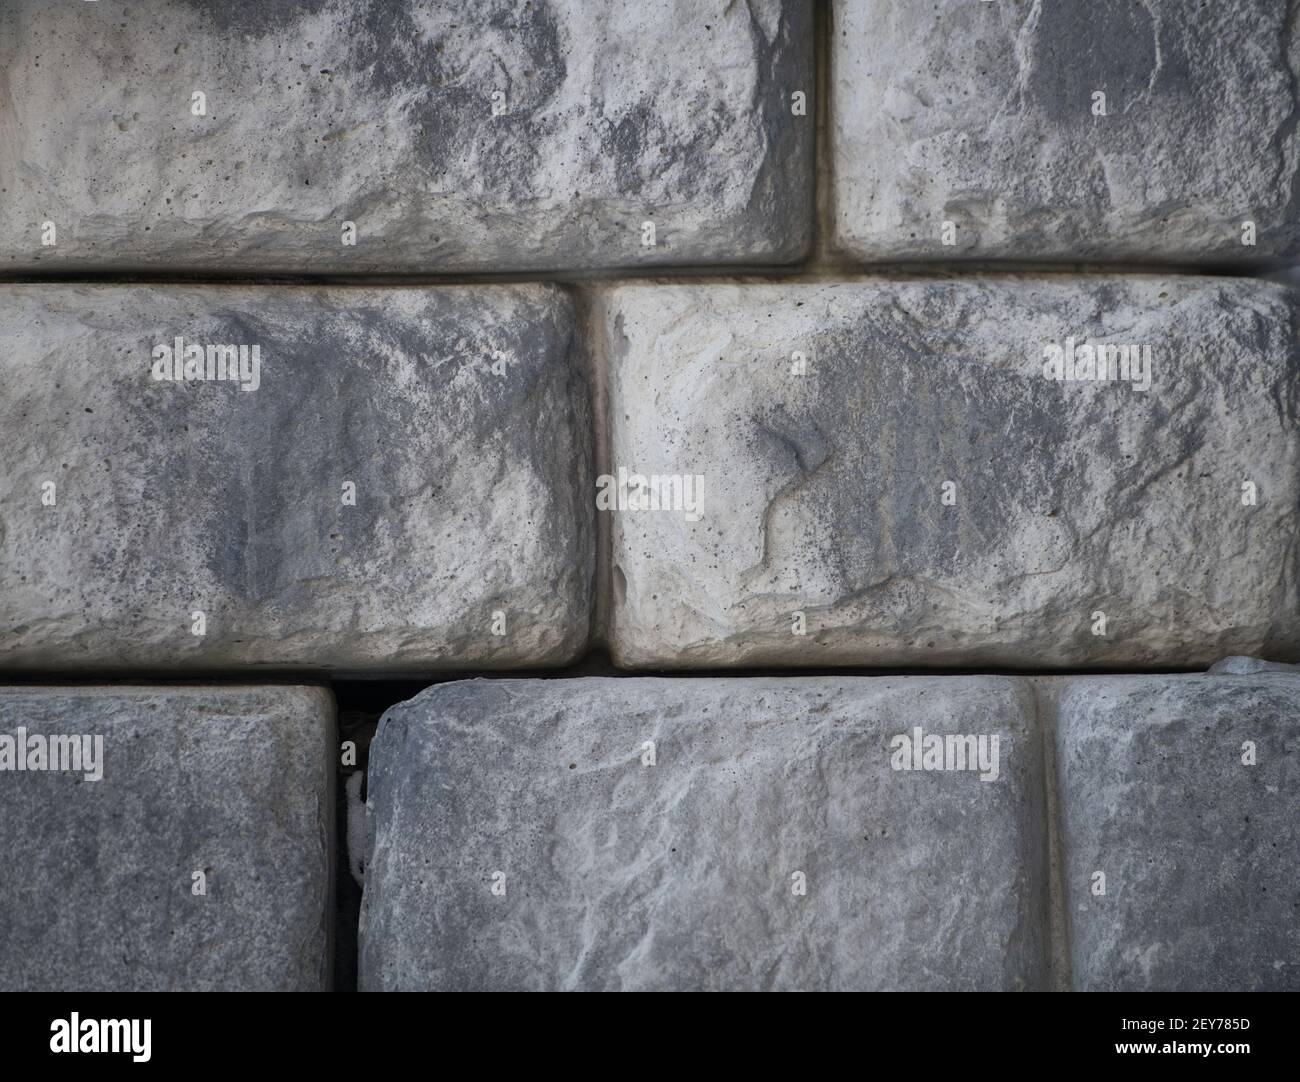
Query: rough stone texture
x=96, y=893
x=1247, y=666
x=823, y=492
x=379, y=112
x=981, y=114
x=679, y=875
x=1199, y=851
x=472, y=485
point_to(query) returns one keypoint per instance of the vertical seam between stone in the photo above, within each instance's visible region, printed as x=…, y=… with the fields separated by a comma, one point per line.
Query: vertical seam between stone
x=823, y=191
x=590, y=311
x=1046, y=694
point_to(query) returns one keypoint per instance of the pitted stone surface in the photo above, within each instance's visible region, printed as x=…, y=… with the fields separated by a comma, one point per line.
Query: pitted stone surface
x=459, y=414
x=923, y=494
x=981, y=114
x=1199, y=850
x=1248, y=666
x=381, y=113
x=97, y=892
x=614, y=874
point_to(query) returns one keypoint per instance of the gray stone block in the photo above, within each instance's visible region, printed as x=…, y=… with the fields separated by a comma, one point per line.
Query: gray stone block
x=456, y=136
x=458, y=414
x=925, y=493
x=98, y=890
x=982, y=115
x=614, y=874
x=1199, y=850
x=1248, y=666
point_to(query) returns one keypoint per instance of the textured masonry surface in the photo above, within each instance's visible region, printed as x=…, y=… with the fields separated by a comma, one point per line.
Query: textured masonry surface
x=886, y=477
x=458, y=414
x=982, y=115
x=1199, y=851
x=454, y=137
x=612, y=872
x=619, y=875
x=236, y=783
x=823, y=487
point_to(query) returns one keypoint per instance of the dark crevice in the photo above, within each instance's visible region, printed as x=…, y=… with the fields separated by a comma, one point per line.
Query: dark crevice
x=823, y=268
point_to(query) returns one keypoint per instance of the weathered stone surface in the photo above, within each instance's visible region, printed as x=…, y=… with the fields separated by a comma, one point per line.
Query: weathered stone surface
x=1198, y=849
x=981, y=114
x=680, y=875
x=1247, y=666
x=824, y=493
x=459, y=413
x=380, y=113
x=97, y=892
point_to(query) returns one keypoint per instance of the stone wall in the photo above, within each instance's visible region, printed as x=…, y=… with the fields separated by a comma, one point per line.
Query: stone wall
x=807, y=453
